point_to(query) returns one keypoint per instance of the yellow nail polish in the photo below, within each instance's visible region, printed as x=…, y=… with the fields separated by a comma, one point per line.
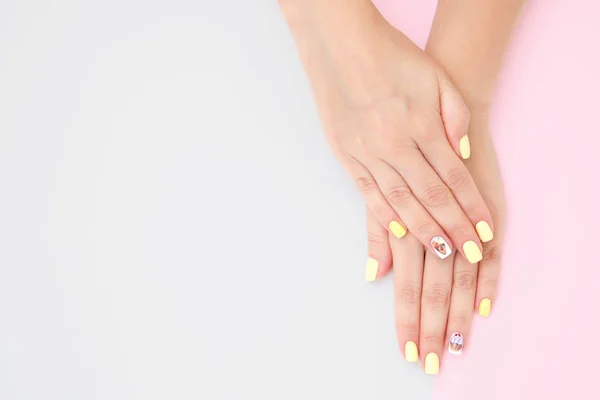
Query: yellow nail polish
x=411, y=352
x=472, y=252
x=464, y=147
x=432, y=364
x=484, y=231
x=397, y=229
x=485, y=306
x=372, y=269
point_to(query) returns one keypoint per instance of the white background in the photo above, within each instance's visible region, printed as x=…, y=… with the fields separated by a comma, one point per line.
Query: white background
x=172, y=224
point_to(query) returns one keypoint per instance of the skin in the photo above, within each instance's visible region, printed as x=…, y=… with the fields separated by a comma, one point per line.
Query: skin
x=392, y=117
x=430, y=307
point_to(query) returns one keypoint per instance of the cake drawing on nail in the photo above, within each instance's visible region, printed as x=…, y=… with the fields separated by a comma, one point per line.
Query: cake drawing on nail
x=441, y=247
x=455, y=345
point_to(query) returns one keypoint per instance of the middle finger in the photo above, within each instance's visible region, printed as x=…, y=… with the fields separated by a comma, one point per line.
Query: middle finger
x=436, y=197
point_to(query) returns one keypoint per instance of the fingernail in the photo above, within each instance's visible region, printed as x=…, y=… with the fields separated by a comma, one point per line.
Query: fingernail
x=455, y=345
x=472, y=252
x=485, y=307
x=432, y=364
x=464, y=147
x=484, y=231
x=441, y=247
x=372, y=269
x=397, y=229
x=411, y=352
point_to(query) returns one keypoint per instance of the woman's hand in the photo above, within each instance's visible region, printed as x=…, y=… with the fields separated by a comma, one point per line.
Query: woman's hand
x=435, y=298
x=395, y=121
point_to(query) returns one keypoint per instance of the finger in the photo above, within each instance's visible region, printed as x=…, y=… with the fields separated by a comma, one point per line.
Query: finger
x=455, y=175
x=381, y=209
x=460, y=316
x=380, y=254
x=437, y=282
x=412, y=212
x=437, y=199
x=455, y=116
x=408, y=256
x=488, y=275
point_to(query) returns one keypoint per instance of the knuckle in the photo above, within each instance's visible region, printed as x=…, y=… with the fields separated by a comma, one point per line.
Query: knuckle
x=489, y=281
x=457, y=179
x=460, y=321
x=409, y=293
x=377, y=239
x=365, y=184
x=435, y=196
x=462, y=228
x=426, y=228
x=433, y=339
x=491, y=254
x=407, y=328
x=399, y=195
x=464, y=280
x=436, y=297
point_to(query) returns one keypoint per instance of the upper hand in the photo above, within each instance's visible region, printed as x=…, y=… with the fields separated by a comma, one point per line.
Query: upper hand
x=398, y=125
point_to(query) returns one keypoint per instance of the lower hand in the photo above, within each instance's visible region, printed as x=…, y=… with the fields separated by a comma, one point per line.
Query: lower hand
x=435, y=298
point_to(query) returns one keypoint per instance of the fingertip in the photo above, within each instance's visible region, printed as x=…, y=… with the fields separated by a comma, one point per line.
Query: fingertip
x=485, y=307
x=397, y=229
x=464, y=147
x=472, y=252
x=372, y=270
x=484, y=231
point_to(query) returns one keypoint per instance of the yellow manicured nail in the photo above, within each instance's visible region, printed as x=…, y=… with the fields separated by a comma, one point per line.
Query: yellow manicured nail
x=485, y=306
x=432, y=364
x=372, y=269
x=484, y=231
x=472, y=252
x=397, y=229
x=464, y=147
x=411, y=352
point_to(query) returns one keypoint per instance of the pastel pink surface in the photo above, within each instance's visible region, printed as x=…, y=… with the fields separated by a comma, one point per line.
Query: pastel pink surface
x=541, y=341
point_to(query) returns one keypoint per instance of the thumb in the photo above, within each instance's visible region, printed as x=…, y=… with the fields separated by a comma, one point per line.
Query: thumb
x=455, y=115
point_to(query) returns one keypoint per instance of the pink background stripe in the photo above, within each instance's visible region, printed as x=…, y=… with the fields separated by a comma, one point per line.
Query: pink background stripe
x=542, y=339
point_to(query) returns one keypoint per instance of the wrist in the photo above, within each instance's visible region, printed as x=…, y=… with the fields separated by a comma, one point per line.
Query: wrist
x=330, y=23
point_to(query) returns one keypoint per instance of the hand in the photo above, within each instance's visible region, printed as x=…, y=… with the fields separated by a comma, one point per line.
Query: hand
x=398, y=125
x=435, y=298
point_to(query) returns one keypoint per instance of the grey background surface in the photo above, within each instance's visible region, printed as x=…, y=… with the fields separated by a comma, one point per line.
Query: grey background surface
x=172, y=224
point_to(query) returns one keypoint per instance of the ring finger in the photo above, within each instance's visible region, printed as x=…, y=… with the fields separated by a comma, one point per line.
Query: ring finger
x=437, y=284
x=462, y=300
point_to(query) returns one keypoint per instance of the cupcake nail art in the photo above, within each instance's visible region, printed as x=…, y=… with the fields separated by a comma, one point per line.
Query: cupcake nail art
x=455, y=345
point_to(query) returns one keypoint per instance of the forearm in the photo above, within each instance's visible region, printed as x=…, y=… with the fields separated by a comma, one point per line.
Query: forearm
x=469, y=38
x=343, y=41
x=304, y=16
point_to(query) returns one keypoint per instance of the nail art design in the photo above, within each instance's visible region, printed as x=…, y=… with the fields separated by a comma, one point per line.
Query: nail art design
x=441, y=247
x=455, y=345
